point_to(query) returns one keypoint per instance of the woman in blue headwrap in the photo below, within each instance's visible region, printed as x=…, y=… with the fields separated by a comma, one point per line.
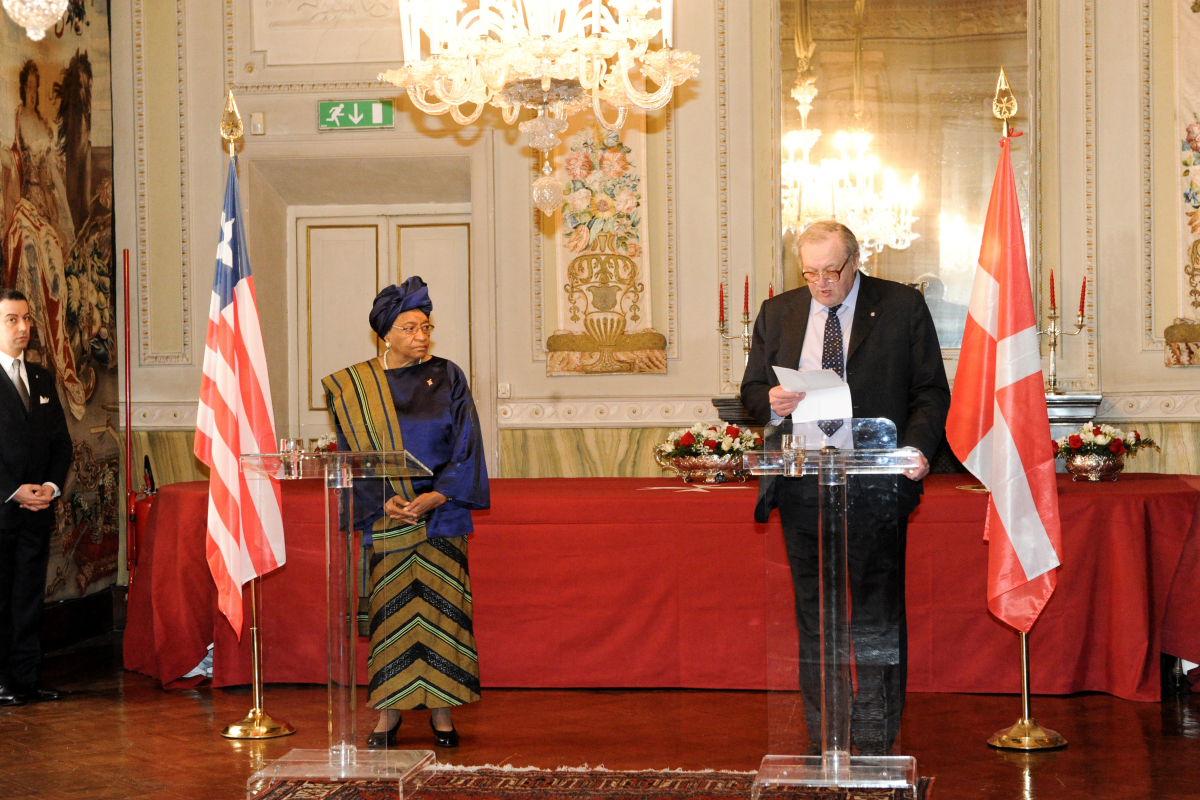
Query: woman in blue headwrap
x=422, y=642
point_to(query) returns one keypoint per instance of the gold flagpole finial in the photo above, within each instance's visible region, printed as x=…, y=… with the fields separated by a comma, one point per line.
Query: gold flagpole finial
x=1004, y=104
x=231, y=123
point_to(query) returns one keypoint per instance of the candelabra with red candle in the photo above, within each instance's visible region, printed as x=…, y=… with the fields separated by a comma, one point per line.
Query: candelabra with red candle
x=747, y=332
x=1054, y=331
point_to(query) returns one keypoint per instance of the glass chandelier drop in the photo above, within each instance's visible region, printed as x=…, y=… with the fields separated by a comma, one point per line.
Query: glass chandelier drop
x=842, y=188
x=35, y=16
x=555, y=57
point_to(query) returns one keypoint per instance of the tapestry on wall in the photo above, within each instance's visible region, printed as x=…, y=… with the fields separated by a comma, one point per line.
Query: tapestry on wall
x=601, y=255
x=1183, y=337
x=57, y=248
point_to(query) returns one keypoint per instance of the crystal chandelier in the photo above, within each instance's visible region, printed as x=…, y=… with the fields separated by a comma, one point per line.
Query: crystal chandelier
x=555, y=57
x=842, y=188
x=35, y=16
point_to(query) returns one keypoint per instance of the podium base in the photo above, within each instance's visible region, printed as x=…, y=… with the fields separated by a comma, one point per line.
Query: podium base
x=1027, y=735
x=836, y=769
x=408, y=769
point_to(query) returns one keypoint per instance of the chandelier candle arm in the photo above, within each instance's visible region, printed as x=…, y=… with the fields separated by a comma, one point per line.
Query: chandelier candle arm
x=542, y=55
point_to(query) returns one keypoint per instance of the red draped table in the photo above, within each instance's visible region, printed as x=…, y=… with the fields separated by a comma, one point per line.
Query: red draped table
x=627, y=582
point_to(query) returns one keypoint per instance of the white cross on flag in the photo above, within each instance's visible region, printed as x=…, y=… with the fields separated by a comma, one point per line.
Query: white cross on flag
x=998, y=425
x=245, y=517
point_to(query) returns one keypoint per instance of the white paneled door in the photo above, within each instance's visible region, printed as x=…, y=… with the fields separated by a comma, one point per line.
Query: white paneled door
x=342, y=263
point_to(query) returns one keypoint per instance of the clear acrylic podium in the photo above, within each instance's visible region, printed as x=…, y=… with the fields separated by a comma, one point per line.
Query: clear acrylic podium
x=347, y=477
x=841, y=504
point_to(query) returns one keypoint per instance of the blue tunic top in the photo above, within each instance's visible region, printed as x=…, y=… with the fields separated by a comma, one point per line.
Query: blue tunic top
x=440, y=427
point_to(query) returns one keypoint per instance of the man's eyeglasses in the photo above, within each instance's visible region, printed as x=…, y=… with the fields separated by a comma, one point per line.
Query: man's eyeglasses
x=829, y=275
x=411, y=330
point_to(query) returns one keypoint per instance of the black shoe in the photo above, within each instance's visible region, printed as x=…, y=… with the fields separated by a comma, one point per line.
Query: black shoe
x=377, y=740
x=36, y=693
x=9, y=696
x=444, y=738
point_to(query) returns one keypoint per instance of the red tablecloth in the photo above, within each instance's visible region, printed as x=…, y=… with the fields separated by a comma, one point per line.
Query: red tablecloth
x=645, y=583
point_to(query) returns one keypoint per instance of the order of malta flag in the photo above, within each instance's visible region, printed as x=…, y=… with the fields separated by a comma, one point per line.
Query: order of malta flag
x=998, y=425
x=245, y=517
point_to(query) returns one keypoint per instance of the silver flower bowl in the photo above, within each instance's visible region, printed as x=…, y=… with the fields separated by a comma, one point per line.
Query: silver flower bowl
x=1094, y=467
x=704, y=469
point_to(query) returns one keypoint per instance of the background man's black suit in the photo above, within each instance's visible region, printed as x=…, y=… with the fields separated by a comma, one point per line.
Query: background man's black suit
x=894, y=370
x=35, y=447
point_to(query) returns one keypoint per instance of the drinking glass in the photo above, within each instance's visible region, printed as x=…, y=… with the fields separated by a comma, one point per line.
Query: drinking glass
x=290, y=453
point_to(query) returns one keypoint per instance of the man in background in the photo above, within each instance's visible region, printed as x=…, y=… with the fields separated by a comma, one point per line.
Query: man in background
x=879, y=337
x=35, y=454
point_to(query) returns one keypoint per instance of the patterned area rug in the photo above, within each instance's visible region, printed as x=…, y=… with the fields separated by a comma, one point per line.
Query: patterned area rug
x=449, y=783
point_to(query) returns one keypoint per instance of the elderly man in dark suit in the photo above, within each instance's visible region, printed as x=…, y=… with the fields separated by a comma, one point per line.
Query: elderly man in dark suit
x=35, y=454
x=880, y=337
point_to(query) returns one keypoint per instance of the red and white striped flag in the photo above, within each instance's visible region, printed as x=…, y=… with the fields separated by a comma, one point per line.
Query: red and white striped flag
x=245, y=517
x=998, y=425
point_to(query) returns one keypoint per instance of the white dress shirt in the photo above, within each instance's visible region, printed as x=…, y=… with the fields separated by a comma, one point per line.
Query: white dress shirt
x=6, y=363
x=810, y=358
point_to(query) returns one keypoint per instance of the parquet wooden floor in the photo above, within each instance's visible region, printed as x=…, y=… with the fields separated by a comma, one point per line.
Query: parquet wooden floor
x=121, y=736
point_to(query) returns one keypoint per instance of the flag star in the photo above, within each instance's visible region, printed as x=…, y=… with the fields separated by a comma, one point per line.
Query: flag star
x=224, y=249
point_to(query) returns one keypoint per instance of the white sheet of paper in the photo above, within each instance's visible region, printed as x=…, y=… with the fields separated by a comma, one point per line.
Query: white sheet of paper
x=826, y=395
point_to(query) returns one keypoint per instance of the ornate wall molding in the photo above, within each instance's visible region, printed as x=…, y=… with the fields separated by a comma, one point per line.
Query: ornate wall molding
x=607, y=413
x=1151, y=407
x=242, y=77
x=915, y=19
x=1091, y=380
x=728, y=386
x=163, y=415
x=1150, y=340
x=147, y=356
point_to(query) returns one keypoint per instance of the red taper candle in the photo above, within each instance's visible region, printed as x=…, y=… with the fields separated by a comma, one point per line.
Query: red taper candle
x=770, y=290
x=746, y=299
x=1082, y=295
x=1052, y=303
x=721, y=312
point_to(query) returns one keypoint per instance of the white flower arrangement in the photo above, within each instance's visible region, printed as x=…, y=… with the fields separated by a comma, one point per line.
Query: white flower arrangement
x=716, y=439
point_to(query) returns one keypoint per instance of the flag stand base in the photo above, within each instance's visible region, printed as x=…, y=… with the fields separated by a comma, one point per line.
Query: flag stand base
x=257, y=725
x=1026, y=735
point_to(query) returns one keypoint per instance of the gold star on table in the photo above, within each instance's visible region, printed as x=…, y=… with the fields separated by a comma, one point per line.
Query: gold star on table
x=693, y=488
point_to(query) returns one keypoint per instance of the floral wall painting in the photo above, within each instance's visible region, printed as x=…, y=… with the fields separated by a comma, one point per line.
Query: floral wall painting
x=1182, y=339
x=56, y=246
x=601, y=246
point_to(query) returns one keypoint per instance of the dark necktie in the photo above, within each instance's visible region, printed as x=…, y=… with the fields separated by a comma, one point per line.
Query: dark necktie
x=19, y=384
x=833, y=357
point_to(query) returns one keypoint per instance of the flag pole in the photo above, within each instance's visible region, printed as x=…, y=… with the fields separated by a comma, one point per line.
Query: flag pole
x=257, y=724
x=1026, y=734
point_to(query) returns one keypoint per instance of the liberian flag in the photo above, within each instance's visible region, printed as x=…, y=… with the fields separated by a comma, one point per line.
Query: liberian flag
x=998, y=426
x=245, y=519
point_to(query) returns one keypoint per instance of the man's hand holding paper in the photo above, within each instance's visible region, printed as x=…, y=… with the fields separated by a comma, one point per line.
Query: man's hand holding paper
x=824, y=395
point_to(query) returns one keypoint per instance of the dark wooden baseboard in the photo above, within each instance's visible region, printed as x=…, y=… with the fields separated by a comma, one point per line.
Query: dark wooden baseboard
x=69, y=622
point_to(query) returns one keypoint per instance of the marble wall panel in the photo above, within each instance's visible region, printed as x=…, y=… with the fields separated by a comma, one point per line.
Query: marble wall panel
x=1180, y=443
x=580, y=452
x=170, y=454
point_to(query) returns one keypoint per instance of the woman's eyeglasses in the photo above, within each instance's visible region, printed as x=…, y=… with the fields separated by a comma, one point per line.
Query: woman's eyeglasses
x=411, y=330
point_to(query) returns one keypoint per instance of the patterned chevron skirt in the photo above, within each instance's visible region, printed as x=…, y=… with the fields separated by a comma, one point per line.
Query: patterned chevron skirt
x=422, y=641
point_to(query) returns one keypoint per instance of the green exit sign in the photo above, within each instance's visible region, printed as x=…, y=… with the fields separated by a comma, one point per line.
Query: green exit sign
x=346, y=115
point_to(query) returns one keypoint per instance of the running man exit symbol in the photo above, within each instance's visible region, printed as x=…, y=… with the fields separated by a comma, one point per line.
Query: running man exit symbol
x=343, y=115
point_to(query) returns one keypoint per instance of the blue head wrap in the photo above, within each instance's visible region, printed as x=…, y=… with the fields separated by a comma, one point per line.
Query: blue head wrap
x=395, y=300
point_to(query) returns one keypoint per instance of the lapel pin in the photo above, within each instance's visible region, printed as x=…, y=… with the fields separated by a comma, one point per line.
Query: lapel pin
x=430, y=381
x=872, y=313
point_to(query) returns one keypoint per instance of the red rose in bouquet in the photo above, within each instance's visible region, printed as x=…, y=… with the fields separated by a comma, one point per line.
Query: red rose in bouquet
x=1135, y=437
x=1096, y=431
x=687, y=440
x=758, y=442
x=1117, y=446
x=1075, y=442
x=733, y=431
x=1054, y=448
x=711, y=444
